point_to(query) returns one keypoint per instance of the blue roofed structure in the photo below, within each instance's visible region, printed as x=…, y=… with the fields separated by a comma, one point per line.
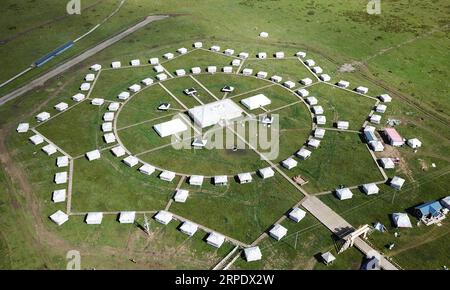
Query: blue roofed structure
x=432, y=208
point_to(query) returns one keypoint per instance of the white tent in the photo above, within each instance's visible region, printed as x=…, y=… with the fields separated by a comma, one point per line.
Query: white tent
x=108, y=116
x=385, y=98
x=181, y=195
x=264, y=34
x=163, y=217
x=196, y=70
x=97, y=101
x=319, y=133
x=344, y=193
x=328, y=258
x=376, y=146
x=23, y=127
x=297, y=214
x=325, y=77
x=85, y=86
x=343, y=84
x=236, y=62
x=89, y=77
x=131, y=161
x=387, y=163
x=168, y=55
x=49, y=149
x=362, y=90
x=215, y=48
x=261, y=74
x=289, y=84
x=153, y=61
x=401, y=220
x=59, y=217
x=158, y=68
x=289, y=163
x=161, y=77
x=116, y=64
x=180, y=72
x=118, y=151
x=123, y=96
x=317, y=70
x=113, y=107
x=314, y=143
x=211, y=69
x=266, y=172
x=220, y=180
x=247, y=72
x=61, y=177
x=147, y=81
x=44, y=116
x=147, y=169
x=397, y=182
x=306, y=81
x=199, y=143
x=276, y=79
x=189, y=228
x=196, y=180
x=127, y=217
x=198, y=44
x=93, y=155
x=446, y=202
x=62, y=161
x=170, y=127
x=227, y=69
x=301, y=54
x=182, y=50
x=167, y=175
x=59, y=195
x=318, y=110
x=36, y=139
x=370, y=188
x=245, y=177
x=376, y=119
x=310, y=62
x=94, y=218
x=215, y=239
x=109, y=138
x=262, y=55
x=243, y=55
x=303, y=93
x=381, y=108
x=135, y=88
x=279, y=54
x=215, y=112
x=342, y=125
x=61, y=106
x=107, y=127
x=414, y=143
x=96, y=67
x=303, y=153
x=229, y=51
x=252, y=254
x=278, y=232
x=256, y=101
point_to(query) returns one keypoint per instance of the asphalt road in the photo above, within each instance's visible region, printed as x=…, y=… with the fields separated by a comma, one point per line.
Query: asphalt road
x=74, y=61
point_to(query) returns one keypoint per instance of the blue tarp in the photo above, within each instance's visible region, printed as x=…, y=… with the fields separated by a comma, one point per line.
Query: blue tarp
x=432, y=208
x=53, y=53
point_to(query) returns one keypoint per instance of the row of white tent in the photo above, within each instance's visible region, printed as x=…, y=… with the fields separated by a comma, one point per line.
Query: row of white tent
x=369, y=188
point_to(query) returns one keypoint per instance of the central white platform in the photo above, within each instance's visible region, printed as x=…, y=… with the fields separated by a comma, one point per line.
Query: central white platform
x=212, y=113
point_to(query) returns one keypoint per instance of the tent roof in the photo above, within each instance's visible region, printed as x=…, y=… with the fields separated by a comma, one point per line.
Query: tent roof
x=170, y=127
x=212, y=113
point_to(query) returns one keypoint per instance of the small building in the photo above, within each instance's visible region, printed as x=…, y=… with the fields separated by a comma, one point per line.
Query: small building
x=229, y=51
x=256, y=101
x=385, y=98
x=319, y=133
x=182, y=50
x=36, y=139
x=215, y=239
x=243, y=55
x=95, y=67
x=310, y=62
x=180, y=72
x=61, y=106
x=59, y=217
x=261, y=74
x=127, y=217
x=109, y=138
x=114, y=106
x=380, y=108
x=199, y=142
x=61, y=177
x=328, y=258
x=325, y=78
x=303, y=93
x=131, y=161
x=278, y=232
x=387, y=163
x=342, y=125
x=135, y=88
x=306, y=81
x=313, y=143
x=147, y=169
x=245, y=177
x=181, y=195
x=85, y=87
x=446, y=202
x=168, y=55
x=236, y=62
x=78, y=97
x=167, y=175
x=343, y=84
x=42, y=117
x=59, y=195
x=414, y=143
x=264, y=34
x=247, y=71
x=153, y=61
x=135, y=62
x=163, y=217
x=393, y=137
x=227, y=69
x=49, y=149
x=118, y=151
x=164, y=107
x=93, y=155
x=189, y=228
x=318, y=110
x=215, y=48
x=198, y=44
x=430, y=213
x=312, y=101
x=116, y=64
x=161, y=77
x=276, y=79
x=108, y=116
x=370, y=188
x=317, y=70
x=252, y=254
x=220, y=180
x=147, y=81
x=62, y=161
x=23, y=127
x=158, y=69
x=321, y=120
x=94, y=218
x=289, y=84
x=279, y=54
x=297, y=214
x=261, y=55
x=397, y=182
x=211, y=69
x=303, y=153
x=196, y=180
x=376, y=119
x=344, y=193
x=169, y=128
x=97, y=101
x=362, y=90
x=107, y=127
x=196, y=70
x=376, y=146
x=289, y=163
x=227, y=89
x=266, y=172
x=401, y=220
x=301, y=54
x=123, y=96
